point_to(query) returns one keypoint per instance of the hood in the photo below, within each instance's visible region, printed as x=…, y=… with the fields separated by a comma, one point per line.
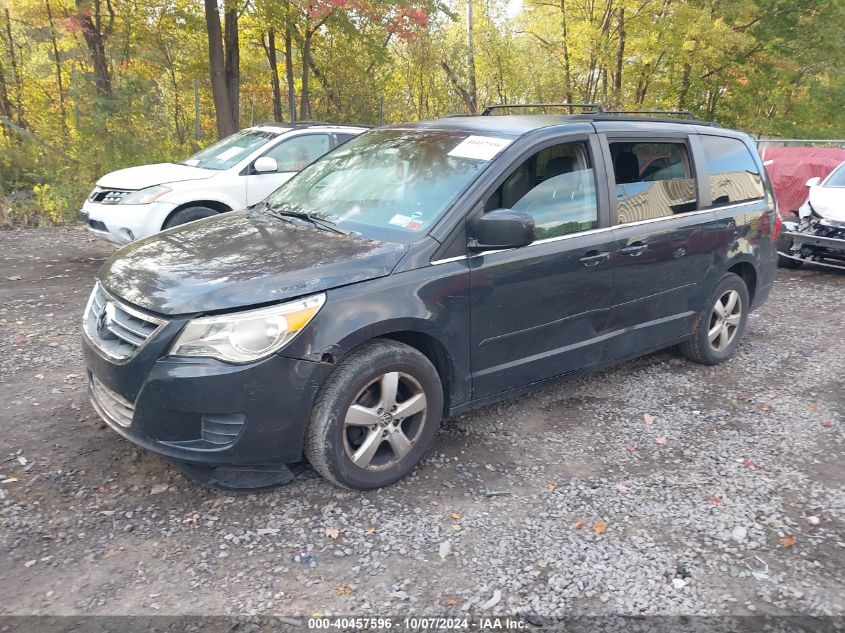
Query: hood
x=829, y=202
x=240, y=259
x=145, y=176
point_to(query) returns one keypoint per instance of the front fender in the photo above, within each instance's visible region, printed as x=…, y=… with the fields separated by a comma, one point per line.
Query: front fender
x=206, y=194
x=414, y=302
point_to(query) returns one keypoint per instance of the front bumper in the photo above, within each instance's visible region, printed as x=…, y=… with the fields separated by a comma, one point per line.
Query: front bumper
x=828, y=243
x=124, y=223
x=203, y=411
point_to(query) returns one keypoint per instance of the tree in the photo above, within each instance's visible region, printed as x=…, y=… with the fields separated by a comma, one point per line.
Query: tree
x=96, y=31
x=224, y=65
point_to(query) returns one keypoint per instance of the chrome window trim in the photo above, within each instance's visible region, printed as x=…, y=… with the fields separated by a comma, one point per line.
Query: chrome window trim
x=548, y=240
x=448, y=260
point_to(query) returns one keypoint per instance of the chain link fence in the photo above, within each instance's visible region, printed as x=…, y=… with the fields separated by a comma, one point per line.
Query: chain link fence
x=790, y=163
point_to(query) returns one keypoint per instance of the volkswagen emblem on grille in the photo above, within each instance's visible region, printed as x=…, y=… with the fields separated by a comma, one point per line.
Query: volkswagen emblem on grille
x=104, y=318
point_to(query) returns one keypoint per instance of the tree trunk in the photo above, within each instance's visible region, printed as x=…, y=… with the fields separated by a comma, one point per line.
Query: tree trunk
x=305, y=107
x=567, y=72
x=467, y=98
x=620, y=56
x=5, y=104
x=16, y=73
x=289, y=75
x=58, y=62
x=289, y=65
x=232, y=60
x=472, y=87
x=219, y=90
x=685, y=86
x=274, y=74
x=95, y=35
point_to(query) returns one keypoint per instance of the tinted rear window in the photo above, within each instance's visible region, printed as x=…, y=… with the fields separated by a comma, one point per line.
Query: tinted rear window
x=653, y=180
x=734, y=176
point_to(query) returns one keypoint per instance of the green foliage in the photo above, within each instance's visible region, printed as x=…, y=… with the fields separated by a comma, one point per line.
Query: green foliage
x=772, y=67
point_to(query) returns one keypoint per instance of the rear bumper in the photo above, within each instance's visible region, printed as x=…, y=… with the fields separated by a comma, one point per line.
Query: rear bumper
x=207, y=412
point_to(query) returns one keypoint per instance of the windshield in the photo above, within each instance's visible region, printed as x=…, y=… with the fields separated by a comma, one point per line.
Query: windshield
x=837, y=178
x=231, y=150
x=389, y=184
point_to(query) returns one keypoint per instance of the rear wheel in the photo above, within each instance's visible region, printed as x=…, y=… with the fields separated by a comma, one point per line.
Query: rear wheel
x=188, y=214
x=375, y=416
x=722, y=323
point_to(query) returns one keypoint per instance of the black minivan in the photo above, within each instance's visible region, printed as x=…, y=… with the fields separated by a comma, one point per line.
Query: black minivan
x=419, y=271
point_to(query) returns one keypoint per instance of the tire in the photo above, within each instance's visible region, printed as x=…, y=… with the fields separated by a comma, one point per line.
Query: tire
x=188, y=214
x=338, y=436
x=700, y=348
x=783, y=246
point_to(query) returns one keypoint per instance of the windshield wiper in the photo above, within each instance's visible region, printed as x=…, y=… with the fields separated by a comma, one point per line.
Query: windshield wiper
x=287, y=211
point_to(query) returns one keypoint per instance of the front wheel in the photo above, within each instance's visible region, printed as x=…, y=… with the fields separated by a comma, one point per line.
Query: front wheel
x=721, y=325
x=784, y=245
x=375, y=416
x=188, y=214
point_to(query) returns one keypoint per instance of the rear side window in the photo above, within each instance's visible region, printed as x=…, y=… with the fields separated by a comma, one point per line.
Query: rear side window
x=653, y=180
x=734, y=176
x=297, y=153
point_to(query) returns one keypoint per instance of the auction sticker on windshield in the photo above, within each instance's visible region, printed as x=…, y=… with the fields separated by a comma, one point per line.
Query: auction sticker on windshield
x=480, y=147
x=229, y=153
x=405, y=222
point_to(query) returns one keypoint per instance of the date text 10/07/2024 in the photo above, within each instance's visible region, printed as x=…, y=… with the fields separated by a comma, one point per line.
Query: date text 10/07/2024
x=416, y=624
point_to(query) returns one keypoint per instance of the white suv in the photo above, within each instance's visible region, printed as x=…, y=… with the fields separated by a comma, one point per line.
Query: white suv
x=234, y=173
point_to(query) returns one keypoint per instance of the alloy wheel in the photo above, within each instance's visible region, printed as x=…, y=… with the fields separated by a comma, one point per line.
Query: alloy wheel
x=384, y=421
x=725, y=320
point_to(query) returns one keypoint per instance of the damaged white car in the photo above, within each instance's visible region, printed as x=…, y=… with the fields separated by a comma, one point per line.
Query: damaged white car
x=819, y=234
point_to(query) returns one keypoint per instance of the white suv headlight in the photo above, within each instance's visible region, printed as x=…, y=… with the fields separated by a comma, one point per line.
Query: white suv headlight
x=146, y=196
x=247, y=336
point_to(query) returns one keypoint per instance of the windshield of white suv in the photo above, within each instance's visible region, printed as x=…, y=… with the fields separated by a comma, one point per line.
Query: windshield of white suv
x=837, y=178
x=231, y=150
x=389, y=184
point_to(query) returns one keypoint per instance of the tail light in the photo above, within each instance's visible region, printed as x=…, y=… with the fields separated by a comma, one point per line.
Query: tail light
x=777, y=227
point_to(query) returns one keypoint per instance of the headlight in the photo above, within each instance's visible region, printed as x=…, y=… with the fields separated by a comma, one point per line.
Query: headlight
x=805, y=210
x=146, y=196
x=246, y=336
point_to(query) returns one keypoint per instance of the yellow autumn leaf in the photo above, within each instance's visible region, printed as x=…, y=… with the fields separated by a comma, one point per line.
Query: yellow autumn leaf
x=599, y=526
x=332, y=532
x=787, y=541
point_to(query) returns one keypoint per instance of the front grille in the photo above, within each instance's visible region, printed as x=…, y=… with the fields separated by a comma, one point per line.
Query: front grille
x=116, y=329
x=108, y=196
x=111, y=405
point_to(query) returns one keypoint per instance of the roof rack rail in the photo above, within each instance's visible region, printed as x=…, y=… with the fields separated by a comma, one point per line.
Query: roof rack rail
x=488, y=110
x=682, y=113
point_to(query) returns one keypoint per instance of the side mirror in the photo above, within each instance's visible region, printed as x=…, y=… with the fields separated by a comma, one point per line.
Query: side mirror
x=265, y=165
x=502, y=228
x=812, y=182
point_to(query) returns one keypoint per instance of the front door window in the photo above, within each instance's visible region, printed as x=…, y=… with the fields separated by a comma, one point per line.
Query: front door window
x=556, y=186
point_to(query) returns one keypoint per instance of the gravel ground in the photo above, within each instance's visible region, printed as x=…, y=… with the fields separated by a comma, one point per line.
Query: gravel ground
x=656, y=487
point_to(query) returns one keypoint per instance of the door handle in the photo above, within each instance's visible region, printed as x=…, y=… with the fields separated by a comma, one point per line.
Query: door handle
x=634, y=250
x=593, y=258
